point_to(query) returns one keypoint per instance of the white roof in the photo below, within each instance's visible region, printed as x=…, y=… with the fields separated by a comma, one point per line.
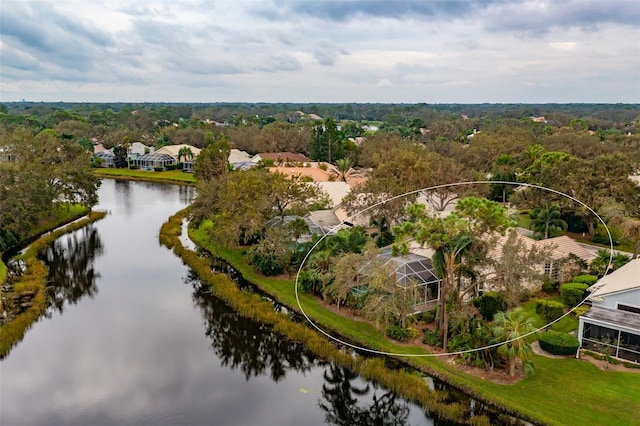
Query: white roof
x=140, y=148
x=336, y=190
x=237, y=156
x=623, y=279
x=173, y=150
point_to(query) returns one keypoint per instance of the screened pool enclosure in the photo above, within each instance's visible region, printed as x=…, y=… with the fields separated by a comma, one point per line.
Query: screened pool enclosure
x=153, y=160
x=412, y=273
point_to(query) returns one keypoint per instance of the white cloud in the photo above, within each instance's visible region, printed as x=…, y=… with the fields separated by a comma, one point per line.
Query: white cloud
x=503, y=51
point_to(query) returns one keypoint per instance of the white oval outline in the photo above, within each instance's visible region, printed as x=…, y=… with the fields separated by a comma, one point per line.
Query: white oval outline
x=377, y=352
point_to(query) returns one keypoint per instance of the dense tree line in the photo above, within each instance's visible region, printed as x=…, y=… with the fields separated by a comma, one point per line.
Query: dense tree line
x=44, y=173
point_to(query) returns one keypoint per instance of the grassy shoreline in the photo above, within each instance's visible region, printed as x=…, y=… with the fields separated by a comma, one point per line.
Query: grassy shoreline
x=408, y=383
x=593, y=396
x=169, y=176
x=34, y=279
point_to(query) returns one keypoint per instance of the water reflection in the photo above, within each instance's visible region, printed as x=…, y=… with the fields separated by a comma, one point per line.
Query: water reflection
x=123, y=188
x=341, y=393
x=70, y=260
x=241, y=343
x=256, y=350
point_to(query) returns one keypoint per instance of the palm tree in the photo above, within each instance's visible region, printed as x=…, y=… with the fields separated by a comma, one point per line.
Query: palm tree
x=298, y=227
x=504, y=170
x=604, y=262
x=544, y=221
x=186, y=153
x=510, y=328
x=344, y=169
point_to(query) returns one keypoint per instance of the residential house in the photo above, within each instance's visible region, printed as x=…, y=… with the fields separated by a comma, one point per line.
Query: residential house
x=612, y=324
x=138, y=149
x=559, y=250
x=107, y=156
x=165, y=156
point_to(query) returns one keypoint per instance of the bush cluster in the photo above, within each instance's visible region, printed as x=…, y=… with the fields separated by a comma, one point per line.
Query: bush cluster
x=549, y=310
x=558, y=343
x=402, y=334
x=427, y=316
x=573, y=293
x=586, y=279
x=432, y=338
x=489, y=304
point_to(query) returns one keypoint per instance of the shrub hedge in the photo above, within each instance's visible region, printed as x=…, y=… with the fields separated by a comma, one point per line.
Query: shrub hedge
x=401, y=334
x=573, y=293
x=558, y=343
x=549, y=310
x=586, y=279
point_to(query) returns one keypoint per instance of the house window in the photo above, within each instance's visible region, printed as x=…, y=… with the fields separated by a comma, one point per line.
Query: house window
x=551, y=269
x=628, y=308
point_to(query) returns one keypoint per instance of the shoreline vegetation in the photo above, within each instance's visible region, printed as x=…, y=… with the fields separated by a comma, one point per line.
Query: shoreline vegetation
x=409, y=383
x=609, y=395
x=33, y=283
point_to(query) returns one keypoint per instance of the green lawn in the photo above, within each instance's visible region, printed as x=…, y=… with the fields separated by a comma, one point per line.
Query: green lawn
x=524, y=220
x=566, y=324
x=3, y=273
x=176, y=176
x=559, y=392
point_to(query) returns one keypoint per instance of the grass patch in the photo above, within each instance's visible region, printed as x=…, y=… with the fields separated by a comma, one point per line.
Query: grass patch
x=3, y=274
x=589, y=395
x=174, y=176
x=524, y=220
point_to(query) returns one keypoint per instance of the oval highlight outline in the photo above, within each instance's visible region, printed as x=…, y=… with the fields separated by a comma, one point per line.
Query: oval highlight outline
x=598, y=285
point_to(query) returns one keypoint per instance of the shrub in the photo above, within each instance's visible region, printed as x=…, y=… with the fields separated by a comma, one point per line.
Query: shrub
x=171, y=167
x=549, y=285
x=573, y=293
x=549, y=310
x=586, y=279
x=580, y=310
x=559, y=343
x=427, y=316
x=322, y=166
x=402, y=334
x=158, y=169
x=267, y=264
x=630, y=364
x=489, y=304
x=431, y=337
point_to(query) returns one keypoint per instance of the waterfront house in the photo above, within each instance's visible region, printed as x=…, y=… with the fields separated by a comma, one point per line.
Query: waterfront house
x=612, y=324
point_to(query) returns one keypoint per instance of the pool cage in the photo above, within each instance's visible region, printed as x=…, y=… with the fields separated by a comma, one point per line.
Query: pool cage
x=413, y=273
x=153, y=160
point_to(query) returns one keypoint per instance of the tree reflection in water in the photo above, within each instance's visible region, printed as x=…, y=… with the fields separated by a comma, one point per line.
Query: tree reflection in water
x=70, y=261
x=256, y=350
x=245, y=344
x=341, y=396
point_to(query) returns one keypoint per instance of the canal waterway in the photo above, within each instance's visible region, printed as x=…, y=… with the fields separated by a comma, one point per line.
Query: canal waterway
x=132, y=337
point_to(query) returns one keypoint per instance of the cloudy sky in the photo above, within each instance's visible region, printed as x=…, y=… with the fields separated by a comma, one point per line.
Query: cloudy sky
x=530, y=51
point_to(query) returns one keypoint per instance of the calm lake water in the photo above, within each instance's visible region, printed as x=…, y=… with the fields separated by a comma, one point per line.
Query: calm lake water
x=133, y=338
